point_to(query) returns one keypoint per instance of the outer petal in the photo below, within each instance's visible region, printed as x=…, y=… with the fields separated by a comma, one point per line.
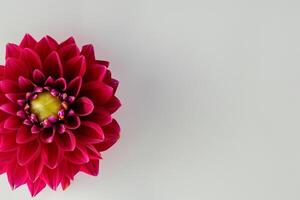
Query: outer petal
x=9, y=108
x=101, y=116
x=52, y=177
x=36, y=187
x=15, y=68
x=24, y=135
x=91, y=168
x=52, y=66
x=89, y=133
x=28, y=42
x=75, y=67
x=66, y=141
x=78, y=156
x=9, y=86
x=45, y=46
x=12, y=51
x=99, y=92
x=112, y=134
x=12, y=123
x=88, y=52
x=68, y=52
x=28, y=152
x=35, y=168
x=16, y=175
x=95, y=72
x=31, y=59
x=52, y=155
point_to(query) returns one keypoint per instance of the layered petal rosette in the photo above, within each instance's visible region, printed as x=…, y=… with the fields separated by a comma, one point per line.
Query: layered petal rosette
x=56, y=106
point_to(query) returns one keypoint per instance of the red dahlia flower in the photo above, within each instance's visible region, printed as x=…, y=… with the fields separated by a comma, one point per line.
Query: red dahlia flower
x=55, y=112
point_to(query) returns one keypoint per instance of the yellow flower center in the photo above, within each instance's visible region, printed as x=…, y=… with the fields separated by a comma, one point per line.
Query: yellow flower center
x=45, y=105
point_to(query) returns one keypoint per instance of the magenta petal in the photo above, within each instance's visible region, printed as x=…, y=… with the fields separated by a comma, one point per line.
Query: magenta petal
x=91, y=168
x=12, y=123
x=112, y=134
x=49, y=81
x=16, y=175
x=52, y=155
x=68, y=52
x=8, y=142
x=88, y=52
x=101, y=116
x=99, y=92
x=75, y=67
x=35, y=168
x=52, y=177
x=73, y=122
x=36, y=187
x=67, y=42
x=25, y=84
x=12, y=50
x=24, y=135
x=47, y=135
x=93, y=152
x=15, y=68
x=74, y=86
x=35, y=129
x=28, y=41
x=52, y=65
x=9, y=86
x=65, y=183
x=78, y=156
x=95, y=72
x=66, y=141
x=28, y=152
x=38, y=77
x=9, y=108
x=31, y=58
x=83, y=106
x=61, y=84
x=14, y=97
x=44, y=47
x=89, y=133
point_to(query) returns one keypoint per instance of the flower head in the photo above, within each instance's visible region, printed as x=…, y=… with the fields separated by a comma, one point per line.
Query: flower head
x=56, y=104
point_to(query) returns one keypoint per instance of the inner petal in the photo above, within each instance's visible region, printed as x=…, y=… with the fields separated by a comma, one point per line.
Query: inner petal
x=45, y=105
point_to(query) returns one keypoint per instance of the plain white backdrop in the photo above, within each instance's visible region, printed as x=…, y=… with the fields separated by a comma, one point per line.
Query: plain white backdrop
x=210, y=93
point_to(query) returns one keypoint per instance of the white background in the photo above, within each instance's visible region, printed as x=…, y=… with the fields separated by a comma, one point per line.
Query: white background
x=210, y=93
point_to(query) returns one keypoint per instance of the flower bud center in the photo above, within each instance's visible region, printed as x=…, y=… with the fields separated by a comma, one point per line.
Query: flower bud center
x=45, y=105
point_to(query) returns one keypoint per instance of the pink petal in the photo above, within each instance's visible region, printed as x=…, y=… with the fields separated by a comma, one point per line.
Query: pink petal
x=8, y=142
x=88, y=52
x=52, y=155
x=9, y=86
x=101, y=116
x=53, y=66
x=78, y=156
x=73, y=122
x=74, y=86
x=113, y=104
x=31, y=59
x=12, y=51
x=99, y=92
x=25, y=84
x=112, y=134
x=24, y=135
x=65, y=183
x=52, y=177
x=68, y=52
x=50, y=81
x=36, y=187
x=61, y=84
x=12, y=123
x=89, y=133
x=15, y=68
x=14, y=97
x=93, y=152
x=67, y=42
x=9, y=108
x=35, y=129
x=47, y=135
x=7, y=157
x=95, y=72
x=16, y=175
x=44, y=47
x=83, y=106
x=28, y=41
x=38, y=77
x=35, y=168
x=91, y=168
x=75, y=67
x=28, y=152
x=66, y=141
